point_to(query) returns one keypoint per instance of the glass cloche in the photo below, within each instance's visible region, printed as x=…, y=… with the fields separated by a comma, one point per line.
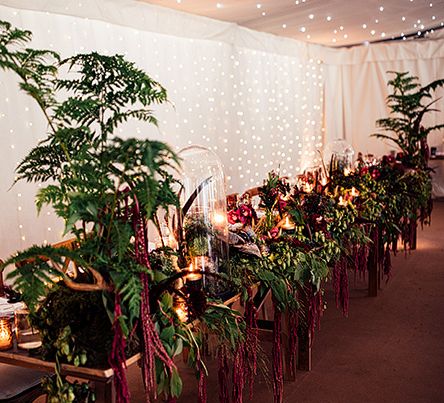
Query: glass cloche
x=338, y=156
x=205, y=222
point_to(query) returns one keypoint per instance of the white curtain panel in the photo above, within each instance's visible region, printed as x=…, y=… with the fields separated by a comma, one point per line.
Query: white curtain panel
x=356, y=87
x=356, y=91
x=254, y=99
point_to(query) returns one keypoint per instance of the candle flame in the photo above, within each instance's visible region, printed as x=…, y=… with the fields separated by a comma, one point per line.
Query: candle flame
x=354, y=192
x=219, y=218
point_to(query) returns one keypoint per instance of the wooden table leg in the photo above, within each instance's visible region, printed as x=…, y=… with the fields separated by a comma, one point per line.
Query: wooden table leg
x=414, y=230
x=105, y=392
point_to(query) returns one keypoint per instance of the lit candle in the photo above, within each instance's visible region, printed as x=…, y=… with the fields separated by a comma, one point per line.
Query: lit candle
x=354, y=192
x=172, y=243
x=288, y=225
x=342, y=202
x=181, y=314
x=347, y=171
x=5, y=333
x=307, y=187
x=219, y=218
x=193, y=275
x=324, y=181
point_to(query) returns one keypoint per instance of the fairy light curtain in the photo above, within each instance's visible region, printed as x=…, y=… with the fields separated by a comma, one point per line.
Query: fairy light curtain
x=254, y=99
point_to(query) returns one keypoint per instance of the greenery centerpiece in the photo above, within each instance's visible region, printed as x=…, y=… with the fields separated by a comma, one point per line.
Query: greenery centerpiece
x=107, y=190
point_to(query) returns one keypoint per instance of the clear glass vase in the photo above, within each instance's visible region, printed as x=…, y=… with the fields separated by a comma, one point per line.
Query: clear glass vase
x=205, y=222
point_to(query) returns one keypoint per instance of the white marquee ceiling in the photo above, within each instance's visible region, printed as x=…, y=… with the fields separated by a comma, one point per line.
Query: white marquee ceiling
x=326, y=22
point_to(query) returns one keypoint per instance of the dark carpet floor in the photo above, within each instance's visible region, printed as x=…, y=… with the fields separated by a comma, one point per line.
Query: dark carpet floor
x=389, y=349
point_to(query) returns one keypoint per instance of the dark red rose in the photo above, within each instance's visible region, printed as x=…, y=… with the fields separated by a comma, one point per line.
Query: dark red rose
x=233, y=216
x=375, y=173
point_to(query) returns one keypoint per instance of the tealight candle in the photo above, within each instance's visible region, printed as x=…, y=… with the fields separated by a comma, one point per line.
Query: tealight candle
x=5, y=333
x=181, y=314
x=288, y=225
x=219, y=218
x=342, y=202
x=193, y=275
x=354, y=192
x=308, y=188
x=347, y=171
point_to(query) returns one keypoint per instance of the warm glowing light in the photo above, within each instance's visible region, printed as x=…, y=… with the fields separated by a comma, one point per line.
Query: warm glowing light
x=342, y=202
x=288, y=224
x=354, y=192
x=308, y=188
x=5, y=333
x=219, y=218
x=193, y=275
x=347, y=171
x=182, y=313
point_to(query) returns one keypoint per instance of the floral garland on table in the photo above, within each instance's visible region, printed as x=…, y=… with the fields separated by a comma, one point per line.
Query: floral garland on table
x=300, y=237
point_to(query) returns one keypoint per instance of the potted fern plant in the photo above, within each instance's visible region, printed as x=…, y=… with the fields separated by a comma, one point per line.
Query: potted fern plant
x=106, y=189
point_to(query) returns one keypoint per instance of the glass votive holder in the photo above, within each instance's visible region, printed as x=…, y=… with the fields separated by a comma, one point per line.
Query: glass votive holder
x=5, y=333
x=27, y=336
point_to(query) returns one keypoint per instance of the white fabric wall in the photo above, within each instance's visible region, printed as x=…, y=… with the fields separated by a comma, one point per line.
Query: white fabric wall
x=356, y=90
x=255, y=99
x=356, y=87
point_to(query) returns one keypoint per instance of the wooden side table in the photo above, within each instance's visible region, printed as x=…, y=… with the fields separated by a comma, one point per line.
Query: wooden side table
x=102, y=378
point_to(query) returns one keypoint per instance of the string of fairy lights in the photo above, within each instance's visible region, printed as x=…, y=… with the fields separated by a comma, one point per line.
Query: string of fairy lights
x=334, y=23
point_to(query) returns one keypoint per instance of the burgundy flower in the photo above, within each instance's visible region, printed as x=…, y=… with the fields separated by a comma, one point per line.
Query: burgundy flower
x=246, y=214
x=274, y=232
x=375, y=173
x=364, y=171
x=282, y=204
x=233, y=216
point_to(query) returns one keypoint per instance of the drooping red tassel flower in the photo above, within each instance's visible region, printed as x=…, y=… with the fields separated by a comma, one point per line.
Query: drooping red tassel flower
x=202, y=386
x=278, y=376
x=117, y=358
x=239, y=373
x=222, y=374
x=251, y=341
x=293, y=324
x=340, y=285
x=153, y=346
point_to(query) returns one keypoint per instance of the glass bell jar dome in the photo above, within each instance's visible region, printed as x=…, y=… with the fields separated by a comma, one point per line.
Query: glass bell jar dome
x=205, y=222
x=338, y=156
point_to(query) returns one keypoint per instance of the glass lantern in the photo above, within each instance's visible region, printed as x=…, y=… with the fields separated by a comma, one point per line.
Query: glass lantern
x=205, y=222
x=339, y=155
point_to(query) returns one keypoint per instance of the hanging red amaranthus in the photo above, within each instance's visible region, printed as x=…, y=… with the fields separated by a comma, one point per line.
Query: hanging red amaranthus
x=239, y=373
x=202, y=386
x=222, y=374
x=117, y=357
x=293, y=324
x=340, y=285
x=278, y=376
x=153, y=347
x=315, y=309
x=251, y=341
